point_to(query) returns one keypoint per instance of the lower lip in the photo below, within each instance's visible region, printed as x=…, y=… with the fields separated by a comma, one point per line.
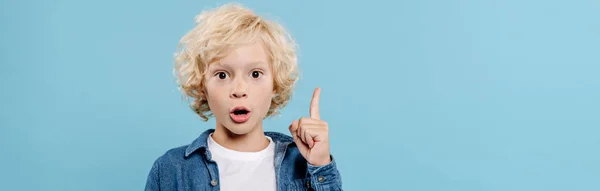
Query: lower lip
x=240, y=118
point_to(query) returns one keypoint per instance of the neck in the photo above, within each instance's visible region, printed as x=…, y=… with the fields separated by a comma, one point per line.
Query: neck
x=252, y=141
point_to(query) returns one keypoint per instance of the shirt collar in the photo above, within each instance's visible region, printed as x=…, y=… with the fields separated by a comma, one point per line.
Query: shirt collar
x=202, y=141
x=199, y=143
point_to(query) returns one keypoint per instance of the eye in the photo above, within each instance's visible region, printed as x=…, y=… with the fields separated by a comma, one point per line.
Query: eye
x=256, y=74
x=221, y=75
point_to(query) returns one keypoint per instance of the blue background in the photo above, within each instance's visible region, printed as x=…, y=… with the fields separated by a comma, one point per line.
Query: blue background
x=420, y=95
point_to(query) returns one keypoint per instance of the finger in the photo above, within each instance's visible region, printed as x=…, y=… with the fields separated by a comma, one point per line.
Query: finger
x=315, y=135
x=314, y=104
x=319, y=135
x=308, y=120
x=302, y=126
x=301, y=146
x=294, y=128
x=305, y=124
x=308, y=136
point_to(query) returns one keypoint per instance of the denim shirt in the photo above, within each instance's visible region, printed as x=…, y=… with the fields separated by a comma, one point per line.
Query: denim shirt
x=190, y=167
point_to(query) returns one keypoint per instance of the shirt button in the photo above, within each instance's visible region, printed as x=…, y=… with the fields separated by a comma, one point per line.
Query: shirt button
x=321, y=178
x=214, y=182
x=308, y=184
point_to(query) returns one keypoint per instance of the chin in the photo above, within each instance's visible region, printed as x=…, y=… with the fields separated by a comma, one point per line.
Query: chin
x=240, y=128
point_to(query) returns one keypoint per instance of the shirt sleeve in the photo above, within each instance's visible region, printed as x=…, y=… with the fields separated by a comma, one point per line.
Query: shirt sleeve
x=325, y=178
x=152, y=180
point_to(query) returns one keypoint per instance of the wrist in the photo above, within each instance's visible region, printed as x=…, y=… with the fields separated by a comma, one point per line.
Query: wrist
x=322, y=162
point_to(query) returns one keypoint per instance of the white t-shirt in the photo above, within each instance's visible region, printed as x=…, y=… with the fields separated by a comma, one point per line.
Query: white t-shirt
x=244, y=170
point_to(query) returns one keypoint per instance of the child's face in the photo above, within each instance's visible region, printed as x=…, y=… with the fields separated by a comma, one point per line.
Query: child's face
x=242, y=79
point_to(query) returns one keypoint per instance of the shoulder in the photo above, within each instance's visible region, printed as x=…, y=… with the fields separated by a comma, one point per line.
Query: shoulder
x=174, y=160
x=173, y=167
x=172, y=156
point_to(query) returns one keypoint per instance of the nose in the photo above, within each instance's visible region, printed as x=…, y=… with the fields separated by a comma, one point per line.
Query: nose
x=239, y=90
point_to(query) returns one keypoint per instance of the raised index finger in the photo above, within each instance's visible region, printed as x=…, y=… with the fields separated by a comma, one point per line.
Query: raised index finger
x=314, y=104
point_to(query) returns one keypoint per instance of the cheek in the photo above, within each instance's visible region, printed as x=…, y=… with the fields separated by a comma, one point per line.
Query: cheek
x=267, y=93
x=214, y=96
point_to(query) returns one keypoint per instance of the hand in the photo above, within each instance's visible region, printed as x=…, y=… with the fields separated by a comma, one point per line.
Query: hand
x=311, y=135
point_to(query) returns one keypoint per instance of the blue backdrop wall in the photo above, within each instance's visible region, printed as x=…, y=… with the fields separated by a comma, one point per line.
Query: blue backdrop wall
x=425, y=95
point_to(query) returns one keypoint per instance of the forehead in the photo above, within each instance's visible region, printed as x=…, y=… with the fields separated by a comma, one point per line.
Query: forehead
x=245, y=55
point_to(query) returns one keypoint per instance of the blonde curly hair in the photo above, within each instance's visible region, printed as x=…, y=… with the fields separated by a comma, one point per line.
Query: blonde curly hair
x=221, y=28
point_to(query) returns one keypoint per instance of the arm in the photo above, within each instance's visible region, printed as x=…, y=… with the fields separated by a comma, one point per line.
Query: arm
x=325, y=178
x=311, y=135
x=152, y=183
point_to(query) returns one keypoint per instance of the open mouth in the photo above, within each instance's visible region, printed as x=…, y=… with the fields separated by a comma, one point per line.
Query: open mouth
x=240, y=114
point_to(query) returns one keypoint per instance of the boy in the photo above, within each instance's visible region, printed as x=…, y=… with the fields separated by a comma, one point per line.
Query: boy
x=241, y=69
